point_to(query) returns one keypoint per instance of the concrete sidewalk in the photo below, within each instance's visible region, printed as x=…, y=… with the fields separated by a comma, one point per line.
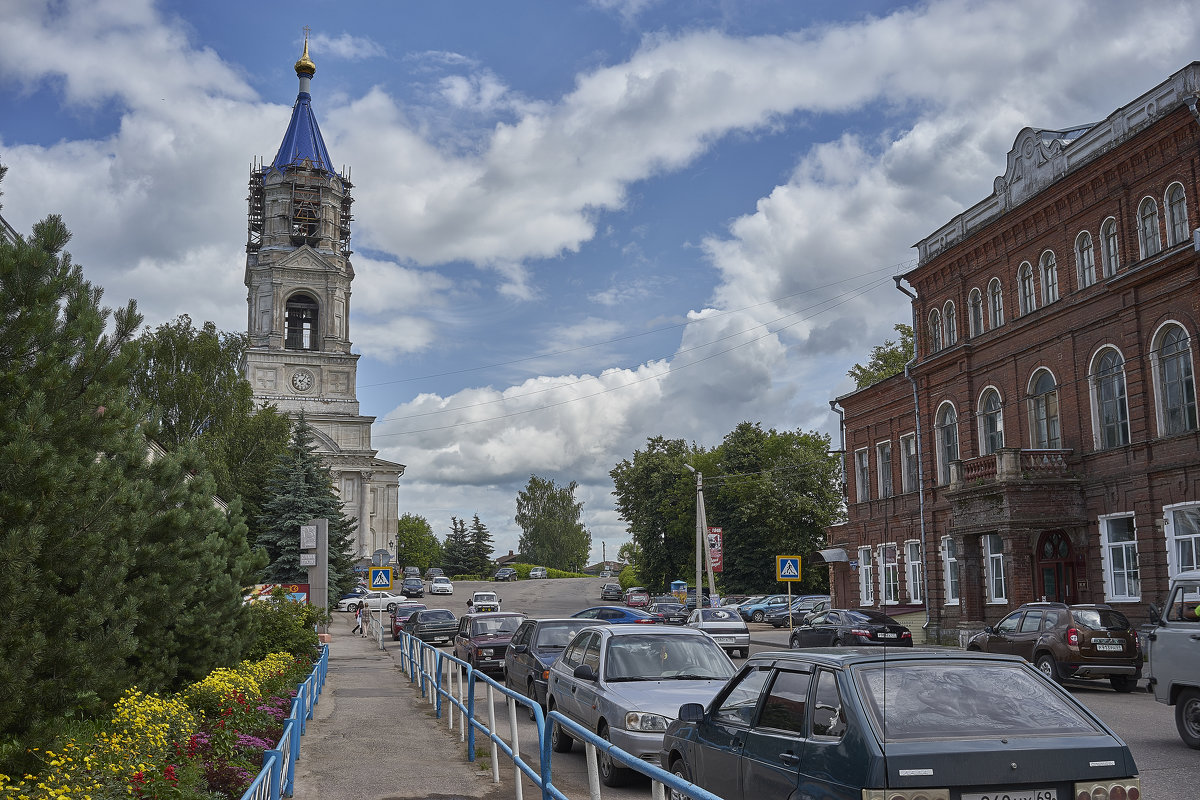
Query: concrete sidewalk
x=373, y=737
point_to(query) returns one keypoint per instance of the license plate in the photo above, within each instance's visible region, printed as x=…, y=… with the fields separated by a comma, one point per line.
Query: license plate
x=724, y=639
x=887, y=636
x=1114, y=647
x=1013, y=794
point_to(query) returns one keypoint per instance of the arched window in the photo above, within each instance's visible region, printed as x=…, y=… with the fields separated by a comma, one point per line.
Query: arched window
x=300, y=321
x=1043, y=412
x=1026, y=292
x=1109, y=402
x=1177, y=218
x=949, y=324
x=975, y=312
x=1176, y=382
x=1085, y=260
x=935, y=331
x=996, y=302
x=991, y=422
x=946, y=426
x=1148, y=236
x=1049, y=267
x=1110, y=250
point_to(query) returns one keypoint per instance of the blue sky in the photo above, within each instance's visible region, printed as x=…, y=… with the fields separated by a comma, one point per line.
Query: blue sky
x=578, y=225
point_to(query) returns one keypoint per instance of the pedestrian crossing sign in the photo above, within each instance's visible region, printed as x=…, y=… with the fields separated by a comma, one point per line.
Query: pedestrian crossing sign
x=381, y=578
x=787, y=568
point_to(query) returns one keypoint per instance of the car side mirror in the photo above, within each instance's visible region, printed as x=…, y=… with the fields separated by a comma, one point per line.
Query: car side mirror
x=1155, y=615
x=519, y=648
x=584, y=673
x=988, y=629
x=690, y=712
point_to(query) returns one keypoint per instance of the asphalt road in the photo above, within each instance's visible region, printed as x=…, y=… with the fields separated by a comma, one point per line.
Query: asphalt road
x=1169, y=769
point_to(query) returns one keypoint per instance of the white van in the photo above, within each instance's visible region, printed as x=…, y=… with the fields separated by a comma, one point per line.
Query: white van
x=1174, y=652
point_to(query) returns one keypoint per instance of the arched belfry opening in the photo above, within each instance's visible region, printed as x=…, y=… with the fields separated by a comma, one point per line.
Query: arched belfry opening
x=300, y=323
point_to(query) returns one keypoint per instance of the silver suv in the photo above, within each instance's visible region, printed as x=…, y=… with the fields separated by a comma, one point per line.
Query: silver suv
x=1174, y=650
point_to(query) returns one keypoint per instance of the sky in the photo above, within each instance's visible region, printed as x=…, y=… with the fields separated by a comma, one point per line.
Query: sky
x=578, y=225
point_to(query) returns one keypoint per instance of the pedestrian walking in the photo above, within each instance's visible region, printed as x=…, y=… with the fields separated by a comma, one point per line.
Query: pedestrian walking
x=360, y=619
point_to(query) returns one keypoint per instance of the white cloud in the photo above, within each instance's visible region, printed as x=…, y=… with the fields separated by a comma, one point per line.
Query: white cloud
x=346, y=46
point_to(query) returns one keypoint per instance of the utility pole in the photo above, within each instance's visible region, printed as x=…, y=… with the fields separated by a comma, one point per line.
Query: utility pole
x=702, y=554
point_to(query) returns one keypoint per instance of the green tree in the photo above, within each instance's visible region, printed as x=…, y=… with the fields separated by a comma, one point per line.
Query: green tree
x=456, y=550
x=300, y=489
x=417, y=545
x=190, y=386
x=479, y=548
x=551, y=531
x=886, y=360
x=629, y=553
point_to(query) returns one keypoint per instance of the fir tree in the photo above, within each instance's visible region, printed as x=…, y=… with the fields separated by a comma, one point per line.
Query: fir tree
x=300, y=489
x=480, y=548
x=456, y=550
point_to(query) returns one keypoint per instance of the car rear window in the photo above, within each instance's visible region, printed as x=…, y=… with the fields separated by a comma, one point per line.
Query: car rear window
x=437, y=615
x=718, y=615
x=1100, y=619
x=964, y=700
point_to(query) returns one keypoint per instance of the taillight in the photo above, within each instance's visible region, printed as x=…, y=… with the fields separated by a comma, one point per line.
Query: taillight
x=647, y=621
x=906, y=635
x=860, y=632
x=1123, y=789
x=1073, y=637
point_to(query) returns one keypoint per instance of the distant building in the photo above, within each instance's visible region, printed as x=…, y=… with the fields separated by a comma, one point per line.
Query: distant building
x=298, y=277
x=1047, y=443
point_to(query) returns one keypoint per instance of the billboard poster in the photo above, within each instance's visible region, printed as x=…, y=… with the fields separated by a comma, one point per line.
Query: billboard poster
x=714, y=547
x=262, y=591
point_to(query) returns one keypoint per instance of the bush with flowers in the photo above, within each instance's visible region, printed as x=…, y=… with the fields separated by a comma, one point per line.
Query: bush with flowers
x=205, y=743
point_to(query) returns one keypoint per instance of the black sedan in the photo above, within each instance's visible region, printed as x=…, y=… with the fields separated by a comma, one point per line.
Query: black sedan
x=433, y=625
x=612, y=591
x=535, y=646
x=671, y=613
x=856, y=725
x=412, y=587
x=850, y=627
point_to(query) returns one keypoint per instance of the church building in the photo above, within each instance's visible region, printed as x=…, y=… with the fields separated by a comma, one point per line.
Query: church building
x=298, y=281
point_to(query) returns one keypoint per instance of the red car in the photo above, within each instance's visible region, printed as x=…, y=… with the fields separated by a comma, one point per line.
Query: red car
x=637, y=597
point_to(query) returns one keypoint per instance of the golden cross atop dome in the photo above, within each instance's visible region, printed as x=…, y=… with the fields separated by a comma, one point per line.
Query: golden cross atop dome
x=305, y=65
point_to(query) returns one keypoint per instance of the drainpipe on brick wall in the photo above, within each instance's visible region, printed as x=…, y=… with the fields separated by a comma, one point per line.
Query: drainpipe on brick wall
x=833, y=406
x=920, y=460
x=1191, y=104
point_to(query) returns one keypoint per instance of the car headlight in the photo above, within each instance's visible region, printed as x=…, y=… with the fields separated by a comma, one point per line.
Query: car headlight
x=485, y=652
x=641, y=721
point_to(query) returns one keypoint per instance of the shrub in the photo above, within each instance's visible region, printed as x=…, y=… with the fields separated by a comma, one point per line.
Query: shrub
x=283, y=626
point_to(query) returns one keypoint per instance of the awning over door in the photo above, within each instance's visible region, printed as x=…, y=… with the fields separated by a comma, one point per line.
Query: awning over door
x=832, y=554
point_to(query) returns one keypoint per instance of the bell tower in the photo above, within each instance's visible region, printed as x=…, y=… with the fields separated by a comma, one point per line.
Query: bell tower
x=298, y=277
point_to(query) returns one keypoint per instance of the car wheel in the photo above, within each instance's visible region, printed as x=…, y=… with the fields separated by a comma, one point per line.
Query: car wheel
x=532, y=695
x=1123, y=683
x=560, y=740
x=793, y=643
x=1187, y=717
x=611, y=772
x=757, y=616
x=1046, y=664
x=391, y=607
x=679, y=770
x=395, y=636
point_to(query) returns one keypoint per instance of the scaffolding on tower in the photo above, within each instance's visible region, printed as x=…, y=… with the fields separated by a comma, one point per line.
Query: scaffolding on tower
x=254, y=220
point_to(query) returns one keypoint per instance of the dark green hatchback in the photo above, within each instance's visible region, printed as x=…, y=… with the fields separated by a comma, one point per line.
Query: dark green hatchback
x=860, y=724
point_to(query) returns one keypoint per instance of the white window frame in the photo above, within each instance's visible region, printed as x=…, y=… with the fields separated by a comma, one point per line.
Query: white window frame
x=909, y=477
x=1164, y=403
x=935, y=330
x=862, y=475
x=1039, y=406
x=883, y=468
x=1149, y=234
x=985, y=417
x=1048, y=265
x=1128, y=551
x=975, y=313
x=1026, y=288
x=993, y=567
x=950, y=572
x=1110, y=247
x=1175, y=202
x=995, y=303
x=1101, y=385
x=1182, y=532
x=944, y=456
x=1085, y=259
x=866, y=577
x=889, y=574
x=949, y=324
x=914, y=568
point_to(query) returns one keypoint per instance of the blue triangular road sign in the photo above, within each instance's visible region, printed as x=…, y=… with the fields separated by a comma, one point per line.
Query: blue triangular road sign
x=380, y=579
x=789, y=569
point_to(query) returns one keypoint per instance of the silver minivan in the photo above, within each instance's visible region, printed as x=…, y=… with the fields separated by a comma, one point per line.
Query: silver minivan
x=1174, y=652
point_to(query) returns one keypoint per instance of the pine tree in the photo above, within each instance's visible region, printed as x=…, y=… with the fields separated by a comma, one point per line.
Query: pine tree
x=300, y=489
x=480, y=548
x=456, y=550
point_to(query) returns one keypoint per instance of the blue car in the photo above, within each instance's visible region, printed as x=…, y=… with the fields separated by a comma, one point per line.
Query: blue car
x=617, y=614
x=534, y=647
x=757, y=612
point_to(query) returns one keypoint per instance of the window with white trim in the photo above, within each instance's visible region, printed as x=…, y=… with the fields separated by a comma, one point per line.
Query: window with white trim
x=883, y=466
x=949, y=324
x=862, y=480
x=1026, y=290
x=908, y=467
x=1049, y=269
x=991, y=422
x=1174, y=382
x=1043, y=412
x=950, y=569
x=993, y=562
x=975, y=313
x=889, y=561
x=1178, y=229
x=1085, y=260
x=1149, y=239
x=996, y=302
x=915, y=568
x=1119, y=555
x=946, y=427
x=1109, y=402
x=1110, y=249
x=935, y=331
x=1183, y=537
x=866, y=577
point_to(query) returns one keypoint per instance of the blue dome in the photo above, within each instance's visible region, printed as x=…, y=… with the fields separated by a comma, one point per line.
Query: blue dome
x=302, y=142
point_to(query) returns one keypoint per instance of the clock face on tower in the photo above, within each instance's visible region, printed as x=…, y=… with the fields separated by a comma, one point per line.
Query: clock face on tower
x=302, y=380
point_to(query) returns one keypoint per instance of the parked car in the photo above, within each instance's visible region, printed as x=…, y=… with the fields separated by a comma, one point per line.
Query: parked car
x=534, y=647
x=672, y=613
x=1174, y=663
x=797, y=610
x=612, y=591
x=357, y=591
x=1075, y=642
x=505, y=574
x=433, y=572
x=617, y=614
x=376, y=601
x=433, y=625
x=637, y=597
x=481, y=639
x=413, y=587
x=606, y=573
x=859, y=725
x=537, y=572
x=724, y=626
x=757, y=612
x=691, y=600
x=850, y=627
x=483, y=601
x=400, y=614
x=440, y=584
x=626, y=682
x=412, y=572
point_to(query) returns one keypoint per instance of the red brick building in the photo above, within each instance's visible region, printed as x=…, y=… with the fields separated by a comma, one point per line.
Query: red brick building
x=1044, y=443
